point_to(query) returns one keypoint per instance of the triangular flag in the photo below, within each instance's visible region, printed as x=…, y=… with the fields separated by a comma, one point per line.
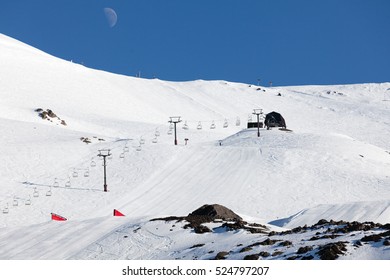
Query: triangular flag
x=56, y=217
x=117, y=213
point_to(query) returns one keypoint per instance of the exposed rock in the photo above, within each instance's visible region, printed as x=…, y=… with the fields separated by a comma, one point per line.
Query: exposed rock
x=208, y=213
x=285, y=243
x=332, y=251
x=221, y=255
x=304, y=250
x=197, y=245
x=371, y=238
x=252, y=257
x=264, y=254
x=268, y=242
x=245, y=249
x=277, y=253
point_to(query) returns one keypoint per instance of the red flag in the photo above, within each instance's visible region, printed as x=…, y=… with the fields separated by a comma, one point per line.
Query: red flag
x=117, y=213
x=56, y=217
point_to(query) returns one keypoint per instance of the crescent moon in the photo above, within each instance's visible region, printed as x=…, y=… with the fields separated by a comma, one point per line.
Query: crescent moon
x=111, y=16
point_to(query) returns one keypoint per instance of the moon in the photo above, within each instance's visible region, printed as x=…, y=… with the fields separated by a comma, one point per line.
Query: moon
x=111, y=16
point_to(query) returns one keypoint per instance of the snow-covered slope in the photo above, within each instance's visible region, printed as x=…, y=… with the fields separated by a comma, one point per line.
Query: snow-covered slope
x=335, y=164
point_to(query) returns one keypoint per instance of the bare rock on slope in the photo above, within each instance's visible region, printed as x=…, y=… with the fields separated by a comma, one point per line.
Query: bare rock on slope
x=208, y=213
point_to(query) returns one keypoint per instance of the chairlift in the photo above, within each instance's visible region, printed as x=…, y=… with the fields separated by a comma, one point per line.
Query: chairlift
x=86, y=173
x=171, y=126
x=142, y=141
x=35, y=193
x=122, y=155
x=157, y=133
x=67, y=184
x=49, y=193
x=75, y=174
x=199, y=127
x=93, y=163
x=185, y=126
x=225, y=124
x=238, y=122
x=169, y=132
x=212, y=125
x=154, y=140
x=6, y=210
x=126, y=149
x=109, y=156
x=15, y=202
x=138, y=148
x=56, y=184
x=28, y=201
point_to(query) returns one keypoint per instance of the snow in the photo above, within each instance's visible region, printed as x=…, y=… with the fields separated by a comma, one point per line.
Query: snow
x=333, y=165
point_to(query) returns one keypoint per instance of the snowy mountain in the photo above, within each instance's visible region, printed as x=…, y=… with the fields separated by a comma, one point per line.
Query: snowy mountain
x=55, y=115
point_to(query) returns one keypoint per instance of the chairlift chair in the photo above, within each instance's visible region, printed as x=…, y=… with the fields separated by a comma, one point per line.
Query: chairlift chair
x=212, y=125
x=49, y=193
x=138, y=148
x=86, y=173
x=122, y=155
x=238, y=122
x=35, y=193
x=6, y=210
x=185, y=126
x=28, y=201
x=154, y=140
x=157, y=133
x=56, y=184
x=169, y=132
x=67, y=184
x=75, y=174
x=225, y=124
x=142, y=141
x=199, y=127
x=126, y=149
x=15, y=202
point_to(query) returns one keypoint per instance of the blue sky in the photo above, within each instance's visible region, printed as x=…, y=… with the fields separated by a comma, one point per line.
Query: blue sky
x=288, y=42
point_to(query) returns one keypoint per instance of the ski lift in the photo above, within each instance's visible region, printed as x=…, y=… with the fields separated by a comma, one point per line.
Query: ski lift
x=212, y=125
x=238, y=122
x=28, y=201
x=225, y=124
x=15, y=202
x=199, y=127
x=109, y=156
x=35, y=193
x=157, y=133
x=67, y=184
x=126, y=149
x=154, y=140
x=56, y=184
x=171, y=126
x=138, y=148
x=75, y=174
x=6, y=210
x=93, y=163
x=169, y=132
x=86, y=173
x=185, y=126
x=142, y=141
x=122, y=155
x=49, y=193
